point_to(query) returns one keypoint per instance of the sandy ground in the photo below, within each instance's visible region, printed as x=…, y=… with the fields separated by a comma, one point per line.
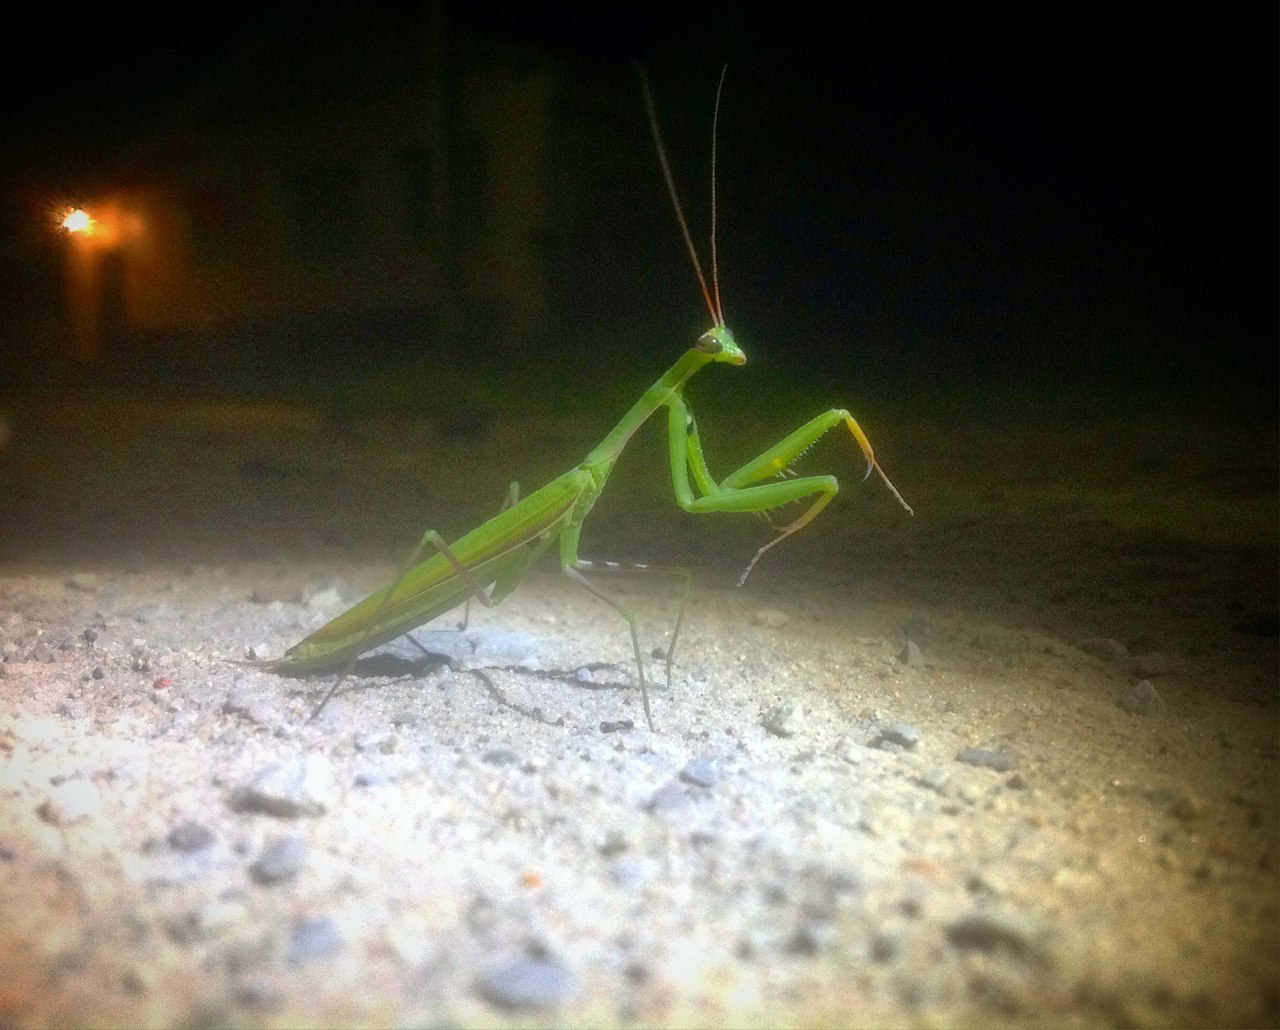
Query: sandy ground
x=1010, y=762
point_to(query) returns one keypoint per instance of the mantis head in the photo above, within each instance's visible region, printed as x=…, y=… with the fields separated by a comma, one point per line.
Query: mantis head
x=719, y=344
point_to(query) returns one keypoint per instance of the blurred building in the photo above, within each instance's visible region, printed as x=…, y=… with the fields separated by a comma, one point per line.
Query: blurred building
x=381, y=174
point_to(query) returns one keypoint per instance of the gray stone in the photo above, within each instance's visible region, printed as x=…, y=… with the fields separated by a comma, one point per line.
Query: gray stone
x=302, y=785
x=701, y=772
x=987, y=758
x=280, y=860
x=190, y=836
x=312, y=939
x=784, y=719
x=528, y=983
x=1142, y=699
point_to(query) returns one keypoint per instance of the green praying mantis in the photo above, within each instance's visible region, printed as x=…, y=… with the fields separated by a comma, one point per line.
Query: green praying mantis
x=487, y=563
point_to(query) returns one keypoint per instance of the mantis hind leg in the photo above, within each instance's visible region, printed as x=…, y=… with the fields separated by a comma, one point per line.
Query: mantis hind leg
x=575, y=572
x=683, y=571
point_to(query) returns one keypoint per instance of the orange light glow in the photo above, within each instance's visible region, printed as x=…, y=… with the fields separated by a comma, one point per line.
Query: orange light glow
x=77, y=220
x=108, y=226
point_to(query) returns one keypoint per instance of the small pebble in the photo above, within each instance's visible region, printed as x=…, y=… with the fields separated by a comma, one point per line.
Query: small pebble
x=911, y=655
x=207, y=921
x=982, y=930
x=784, y=719
x=1177, y=803
x=632, y=872
x=1104, y=648
x=670, y=797
x=302, y=785
x=701, y=772
x=260, y=996
x=614, y=842
x=216, y=918
x=935, y=779
x=500, y=756
x=137, y=981
x=773, y=618
x=253, y=706
x=1142, y=699
x=811, y=937
x=987, y=758
x=190, y=836
x=71, y=802
x=528, y=984
x=884, y=947
x=375, y=740
x=898, y=734
x=312, y=939
x=324, y=598
x=280, y=860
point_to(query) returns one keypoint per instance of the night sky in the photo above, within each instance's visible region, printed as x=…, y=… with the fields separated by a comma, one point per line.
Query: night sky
x=976, y=193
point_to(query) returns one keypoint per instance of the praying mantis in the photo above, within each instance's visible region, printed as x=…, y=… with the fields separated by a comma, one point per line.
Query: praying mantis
x=487, y=563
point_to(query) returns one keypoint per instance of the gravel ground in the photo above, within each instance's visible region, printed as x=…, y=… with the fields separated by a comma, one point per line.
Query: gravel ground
x=1010, y=762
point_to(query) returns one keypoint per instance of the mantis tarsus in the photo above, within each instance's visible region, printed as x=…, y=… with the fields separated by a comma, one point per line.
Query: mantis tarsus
x=488, y=562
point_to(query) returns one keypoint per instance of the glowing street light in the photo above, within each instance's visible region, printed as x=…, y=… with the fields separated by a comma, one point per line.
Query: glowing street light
x=77, y=220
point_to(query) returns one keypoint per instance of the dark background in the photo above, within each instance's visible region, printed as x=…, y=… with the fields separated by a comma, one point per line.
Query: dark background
x=1078, y=201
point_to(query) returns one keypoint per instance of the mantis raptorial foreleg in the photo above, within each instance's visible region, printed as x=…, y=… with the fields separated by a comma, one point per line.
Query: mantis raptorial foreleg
x=736, y=492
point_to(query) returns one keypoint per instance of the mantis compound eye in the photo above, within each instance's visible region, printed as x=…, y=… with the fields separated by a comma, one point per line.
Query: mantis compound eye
x=709, y=343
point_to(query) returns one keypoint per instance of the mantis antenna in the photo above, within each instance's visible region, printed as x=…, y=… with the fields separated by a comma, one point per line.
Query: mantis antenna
x=715, y=266
x=717, y=314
